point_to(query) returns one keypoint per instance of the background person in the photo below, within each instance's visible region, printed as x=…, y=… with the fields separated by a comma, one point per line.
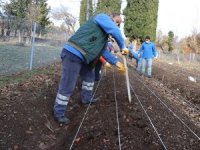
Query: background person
x=148, y=52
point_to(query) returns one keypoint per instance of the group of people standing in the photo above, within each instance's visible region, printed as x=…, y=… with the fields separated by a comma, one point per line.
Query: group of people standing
x=143, y=56
x=84, y=54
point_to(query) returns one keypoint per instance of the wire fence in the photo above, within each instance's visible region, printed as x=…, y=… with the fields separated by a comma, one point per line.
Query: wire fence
x=190, y=59
x=17, y=45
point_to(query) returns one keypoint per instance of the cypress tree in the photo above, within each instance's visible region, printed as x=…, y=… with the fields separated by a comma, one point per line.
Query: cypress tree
x=83, y=13
x=108, y=6
x=90, y=9
x=170, y=40
x=141, y=18
x=86, y=9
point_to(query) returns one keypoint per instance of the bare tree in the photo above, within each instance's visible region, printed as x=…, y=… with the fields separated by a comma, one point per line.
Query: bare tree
x=161, y=41
x=193, y=42
x=68, y=20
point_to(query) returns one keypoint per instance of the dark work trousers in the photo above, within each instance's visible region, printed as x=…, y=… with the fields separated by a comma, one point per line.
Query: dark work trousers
x=72, y=67
x=98, y=70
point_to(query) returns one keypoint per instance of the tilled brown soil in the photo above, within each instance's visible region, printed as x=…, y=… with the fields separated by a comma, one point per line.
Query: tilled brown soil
x=177, y=79
x=27, y=122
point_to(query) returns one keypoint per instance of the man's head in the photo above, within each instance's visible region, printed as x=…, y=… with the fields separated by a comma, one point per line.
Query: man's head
x=116, y=18
x=147, y=39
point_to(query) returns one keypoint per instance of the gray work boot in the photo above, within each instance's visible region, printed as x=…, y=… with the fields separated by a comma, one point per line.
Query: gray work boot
x=149, y=76
x=62, y=120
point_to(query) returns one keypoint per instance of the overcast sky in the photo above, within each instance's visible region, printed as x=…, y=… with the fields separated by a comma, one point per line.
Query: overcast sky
x=180, y=16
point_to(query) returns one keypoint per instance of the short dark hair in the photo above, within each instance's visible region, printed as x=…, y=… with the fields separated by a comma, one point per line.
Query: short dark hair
x=114, y=14
x=147, y=37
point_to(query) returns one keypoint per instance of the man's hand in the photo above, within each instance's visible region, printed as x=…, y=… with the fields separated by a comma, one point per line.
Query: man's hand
x=155, y=58
x=108, y=65
x=120, y=67
x=125, y=51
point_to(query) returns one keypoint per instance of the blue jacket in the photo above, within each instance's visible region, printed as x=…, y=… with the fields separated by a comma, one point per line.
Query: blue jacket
x=106, y=23
x=135, y=55
x=130, y=49
x=130, y=46
x=148, y=50
x=109, y=46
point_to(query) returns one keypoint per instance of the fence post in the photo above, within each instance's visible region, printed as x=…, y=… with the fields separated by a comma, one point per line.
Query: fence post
x=190, y=57
x=33, y=46
x=177, y=54
x=193, y=57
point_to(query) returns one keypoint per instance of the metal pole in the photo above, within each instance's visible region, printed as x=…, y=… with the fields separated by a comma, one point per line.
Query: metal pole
x=127, y=80
x=33, y=46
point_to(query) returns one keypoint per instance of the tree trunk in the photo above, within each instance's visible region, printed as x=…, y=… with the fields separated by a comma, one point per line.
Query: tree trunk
x=2, y=32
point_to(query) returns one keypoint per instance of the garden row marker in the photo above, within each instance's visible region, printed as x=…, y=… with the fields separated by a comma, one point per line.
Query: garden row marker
x=127, y=79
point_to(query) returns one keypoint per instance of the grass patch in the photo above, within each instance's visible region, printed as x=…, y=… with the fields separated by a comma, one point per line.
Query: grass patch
x=23, y=76
x=15, y=58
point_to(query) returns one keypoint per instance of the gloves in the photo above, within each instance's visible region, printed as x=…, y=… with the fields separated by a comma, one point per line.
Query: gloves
x=125, y=51
x=155, y=58
x=107, y=65
x=120, y=67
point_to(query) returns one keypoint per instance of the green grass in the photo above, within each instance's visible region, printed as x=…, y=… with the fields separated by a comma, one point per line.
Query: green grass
x=15, y=58
x=16, y=78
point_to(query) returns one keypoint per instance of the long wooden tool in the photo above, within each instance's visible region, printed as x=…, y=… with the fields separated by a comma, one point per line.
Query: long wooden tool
x=127, y=79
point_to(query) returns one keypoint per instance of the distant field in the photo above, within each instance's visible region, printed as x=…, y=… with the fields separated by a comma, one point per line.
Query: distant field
x=14, y=58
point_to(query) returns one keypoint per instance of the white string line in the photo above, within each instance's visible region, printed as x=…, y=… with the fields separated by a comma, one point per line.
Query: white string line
x=117, y=115
x=148, y=118
x=184, y=99
x=191, y=105
x=84, y=116
x=170, y=109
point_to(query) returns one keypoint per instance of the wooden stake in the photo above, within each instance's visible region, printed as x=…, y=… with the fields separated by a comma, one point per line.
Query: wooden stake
x=127, y=80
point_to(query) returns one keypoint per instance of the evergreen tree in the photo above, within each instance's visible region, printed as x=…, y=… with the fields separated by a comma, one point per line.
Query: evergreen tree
x=86, y=10
x=108, y=6
x=34, y=10
x=17, y=8
x=43, y=18
x=141, y=18
x=83, y=10
x=170, y=40
x=25, y=12
x=90, y=8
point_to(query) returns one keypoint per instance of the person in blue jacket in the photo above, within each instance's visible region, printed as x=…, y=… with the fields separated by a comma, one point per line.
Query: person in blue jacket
x=130, y=49
x=79, y=57
x=137, y=55
x=148, y=52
